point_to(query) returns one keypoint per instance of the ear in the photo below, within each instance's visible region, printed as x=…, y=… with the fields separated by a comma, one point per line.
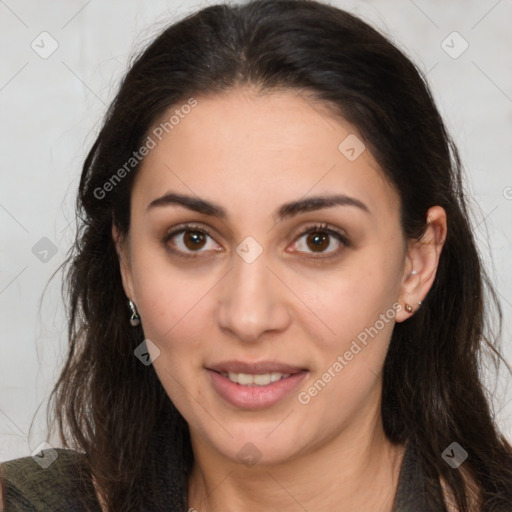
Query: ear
x=421, y=262
x=122, y=244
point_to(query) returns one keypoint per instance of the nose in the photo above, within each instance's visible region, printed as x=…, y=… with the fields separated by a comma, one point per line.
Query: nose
x=252, y=301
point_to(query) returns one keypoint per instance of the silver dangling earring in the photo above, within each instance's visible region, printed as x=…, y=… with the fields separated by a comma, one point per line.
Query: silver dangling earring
x=135, y=318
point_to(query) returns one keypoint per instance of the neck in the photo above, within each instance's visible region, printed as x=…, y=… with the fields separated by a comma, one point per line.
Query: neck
x=358, y=470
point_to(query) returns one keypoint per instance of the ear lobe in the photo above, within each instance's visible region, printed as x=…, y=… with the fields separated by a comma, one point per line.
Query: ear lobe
x=122, y=245
x=422, y=261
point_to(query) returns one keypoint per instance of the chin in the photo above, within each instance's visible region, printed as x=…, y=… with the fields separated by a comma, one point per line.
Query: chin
x=251, y=446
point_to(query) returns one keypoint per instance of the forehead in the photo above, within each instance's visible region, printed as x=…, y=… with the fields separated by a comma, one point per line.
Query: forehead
x=251, y=151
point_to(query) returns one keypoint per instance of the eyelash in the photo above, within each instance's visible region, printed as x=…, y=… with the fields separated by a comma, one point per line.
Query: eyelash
x=324, y=228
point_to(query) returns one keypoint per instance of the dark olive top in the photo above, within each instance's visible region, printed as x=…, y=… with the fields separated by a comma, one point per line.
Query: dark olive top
x=66, y=483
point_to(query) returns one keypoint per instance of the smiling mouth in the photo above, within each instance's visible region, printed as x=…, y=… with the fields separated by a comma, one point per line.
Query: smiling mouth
x=248, y=379
x=253, y=386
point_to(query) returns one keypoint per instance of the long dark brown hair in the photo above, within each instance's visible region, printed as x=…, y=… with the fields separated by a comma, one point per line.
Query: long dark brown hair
x=114, y=409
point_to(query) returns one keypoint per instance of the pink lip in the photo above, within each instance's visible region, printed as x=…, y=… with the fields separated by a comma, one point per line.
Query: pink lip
x=254, y=368
x=255, y=397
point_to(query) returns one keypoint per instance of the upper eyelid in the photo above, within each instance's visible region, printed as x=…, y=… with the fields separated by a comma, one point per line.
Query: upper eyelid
x=180, y=228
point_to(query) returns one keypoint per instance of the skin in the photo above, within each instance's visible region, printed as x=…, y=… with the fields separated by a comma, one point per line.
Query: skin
x=250, y=153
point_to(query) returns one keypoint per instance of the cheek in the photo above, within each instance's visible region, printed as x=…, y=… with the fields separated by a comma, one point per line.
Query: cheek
x=174, y=317
x=347, y=364
x=172, y=311
x=170, y=300
x=352, y=298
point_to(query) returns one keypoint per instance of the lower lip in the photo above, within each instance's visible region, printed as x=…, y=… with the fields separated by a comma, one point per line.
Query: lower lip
x=254, y=397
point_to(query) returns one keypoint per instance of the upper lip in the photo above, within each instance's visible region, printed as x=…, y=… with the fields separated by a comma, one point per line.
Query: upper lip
x=257, y=367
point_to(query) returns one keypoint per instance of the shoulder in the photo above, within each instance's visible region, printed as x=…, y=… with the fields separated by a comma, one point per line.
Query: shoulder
x=415, y=491
x=419, y=493
x=54, y=479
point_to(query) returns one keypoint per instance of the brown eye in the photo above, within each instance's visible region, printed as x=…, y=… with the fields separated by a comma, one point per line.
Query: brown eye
x=194, y=240
x=318, y=241
x=321, y=240
x=190, y=241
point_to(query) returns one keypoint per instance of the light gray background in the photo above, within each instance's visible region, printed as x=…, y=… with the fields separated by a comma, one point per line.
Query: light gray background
x=51, y=110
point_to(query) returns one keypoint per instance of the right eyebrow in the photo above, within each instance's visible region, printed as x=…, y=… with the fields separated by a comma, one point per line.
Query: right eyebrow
x=192, y=203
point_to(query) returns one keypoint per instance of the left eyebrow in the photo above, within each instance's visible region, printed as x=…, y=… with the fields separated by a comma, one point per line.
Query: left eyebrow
x=286, y=210
x=317, y=203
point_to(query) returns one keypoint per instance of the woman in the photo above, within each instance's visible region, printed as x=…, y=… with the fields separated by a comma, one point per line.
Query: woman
x=276, y=298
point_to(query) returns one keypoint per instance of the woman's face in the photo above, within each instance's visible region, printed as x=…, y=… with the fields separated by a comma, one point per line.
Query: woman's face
x=235, y=292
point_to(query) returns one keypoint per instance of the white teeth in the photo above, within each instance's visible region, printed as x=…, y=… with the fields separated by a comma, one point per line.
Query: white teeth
x=247, y=379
